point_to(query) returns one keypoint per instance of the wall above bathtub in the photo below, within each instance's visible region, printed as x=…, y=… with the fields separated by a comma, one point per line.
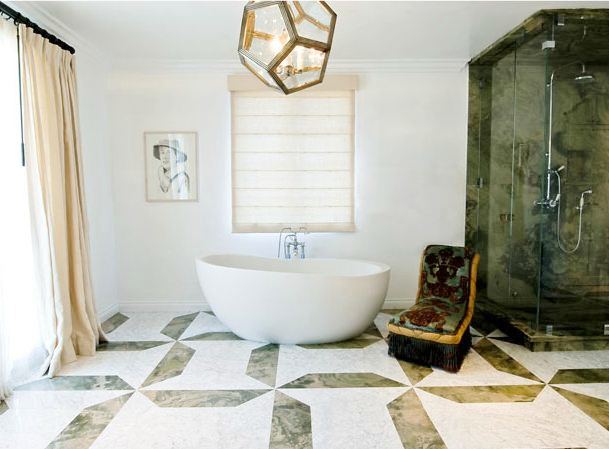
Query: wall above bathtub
x=410, y=159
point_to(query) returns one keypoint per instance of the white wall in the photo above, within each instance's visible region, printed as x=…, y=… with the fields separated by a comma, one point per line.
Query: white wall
x=410, y=180
x=92, y=77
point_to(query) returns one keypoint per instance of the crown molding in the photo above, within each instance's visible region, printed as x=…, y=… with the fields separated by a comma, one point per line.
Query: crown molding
x=42, y=17
x=336, y=66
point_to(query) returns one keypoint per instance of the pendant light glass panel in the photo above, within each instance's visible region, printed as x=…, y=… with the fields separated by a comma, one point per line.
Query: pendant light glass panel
x=312, y=20
x=259, y=71
x=266, y=33
x=302, y=66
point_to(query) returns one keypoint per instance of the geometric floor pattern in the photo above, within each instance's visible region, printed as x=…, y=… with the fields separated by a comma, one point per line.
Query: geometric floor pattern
x=165, y=381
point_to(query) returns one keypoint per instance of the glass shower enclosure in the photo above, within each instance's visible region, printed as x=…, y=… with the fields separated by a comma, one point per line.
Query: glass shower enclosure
x=538, y=176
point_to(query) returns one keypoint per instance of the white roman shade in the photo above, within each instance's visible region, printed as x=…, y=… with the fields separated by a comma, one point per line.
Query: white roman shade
x=292, y=157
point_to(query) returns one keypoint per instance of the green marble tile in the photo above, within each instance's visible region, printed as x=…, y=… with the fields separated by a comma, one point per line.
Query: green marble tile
x=77, y=383
x=178, y=325
x=413, y=424
x=88, y=425
x=113, y=322
x=213, y=336
x=291, y=424
x=487, y=393
x=342, y=380
x=262, y=365
x=171, y=365
x=501, y=360
x=201, y=398
x=108, y=346
x=373, y=330
x=355, y=343
x=581, y=376
x=595, y=408
x=3, y=407
x=415, y=373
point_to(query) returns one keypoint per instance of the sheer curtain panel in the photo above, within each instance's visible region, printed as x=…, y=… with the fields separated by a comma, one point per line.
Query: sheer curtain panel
x=23, y=355
x=53, y=155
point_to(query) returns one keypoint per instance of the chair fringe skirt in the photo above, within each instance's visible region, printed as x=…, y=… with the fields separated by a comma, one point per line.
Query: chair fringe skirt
x=430, y=353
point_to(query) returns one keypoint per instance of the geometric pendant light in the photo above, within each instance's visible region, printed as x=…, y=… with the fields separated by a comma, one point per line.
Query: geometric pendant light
x=286, y=44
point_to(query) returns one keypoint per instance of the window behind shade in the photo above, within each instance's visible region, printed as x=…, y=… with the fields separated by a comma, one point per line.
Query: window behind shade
x=292, y=160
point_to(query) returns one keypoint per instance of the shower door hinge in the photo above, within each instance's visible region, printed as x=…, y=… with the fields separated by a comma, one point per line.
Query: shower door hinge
x=480, y=183
x=548, y=45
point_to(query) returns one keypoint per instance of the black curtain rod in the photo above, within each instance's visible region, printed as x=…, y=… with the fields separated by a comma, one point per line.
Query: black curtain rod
x=18, y=18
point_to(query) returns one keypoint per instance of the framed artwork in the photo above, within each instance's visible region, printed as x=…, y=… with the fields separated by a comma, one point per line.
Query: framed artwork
x=171, y=166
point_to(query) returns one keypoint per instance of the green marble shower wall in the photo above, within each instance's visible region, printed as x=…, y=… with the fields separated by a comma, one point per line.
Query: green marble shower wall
x=522, y=265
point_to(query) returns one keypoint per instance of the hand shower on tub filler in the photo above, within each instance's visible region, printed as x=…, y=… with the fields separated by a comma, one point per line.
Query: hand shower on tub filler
x=292, y=247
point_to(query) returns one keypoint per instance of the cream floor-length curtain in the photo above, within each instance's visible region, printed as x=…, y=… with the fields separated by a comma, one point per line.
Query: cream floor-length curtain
x=53, y=160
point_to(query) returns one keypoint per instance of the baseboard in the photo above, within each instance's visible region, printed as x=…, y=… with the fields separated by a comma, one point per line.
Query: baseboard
x=193, y=306
x=164, y=306
x=398, y=303
x=108, y=312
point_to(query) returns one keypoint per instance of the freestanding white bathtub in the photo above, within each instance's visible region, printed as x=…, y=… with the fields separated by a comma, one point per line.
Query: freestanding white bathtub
x=293, y=301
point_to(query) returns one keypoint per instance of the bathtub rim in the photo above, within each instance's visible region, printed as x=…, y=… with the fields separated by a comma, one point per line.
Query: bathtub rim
x=383, y=268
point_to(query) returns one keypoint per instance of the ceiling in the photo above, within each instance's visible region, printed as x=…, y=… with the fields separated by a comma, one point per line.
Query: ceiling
x=366, y=30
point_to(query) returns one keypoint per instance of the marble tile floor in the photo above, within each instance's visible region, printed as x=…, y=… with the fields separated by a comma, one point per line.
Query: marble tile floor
x=181, y=382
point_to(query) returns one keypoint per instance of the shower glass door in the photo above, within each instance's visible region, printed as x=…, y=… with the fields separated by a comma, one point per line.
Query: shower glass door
x=574, y=283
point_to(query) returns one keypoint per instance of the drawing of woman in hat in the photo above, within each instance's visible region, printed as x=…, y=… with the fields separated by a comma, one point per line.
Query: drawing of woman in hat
x=173, y=178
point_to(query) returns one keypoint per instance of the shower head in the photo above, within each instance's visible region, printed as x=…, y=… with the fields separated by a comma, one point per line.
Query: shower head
x=584, y=77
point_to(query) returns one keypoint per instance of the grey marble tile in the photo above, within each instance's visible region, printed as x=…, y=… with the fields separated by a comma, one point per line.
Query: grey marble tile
x=595, y=408
x=415, y=373
x=88, y=425
x=342, y=380
x=113, y=322
x=213, y=336
x=262, y=365
x=109, y=346
x=178, y=325
x=487, y=393
x=171, y=365
x=413, y=424
x=77, y=383
x=291, y=424
x=501, y=361
x=201, y=398
x=581, y=376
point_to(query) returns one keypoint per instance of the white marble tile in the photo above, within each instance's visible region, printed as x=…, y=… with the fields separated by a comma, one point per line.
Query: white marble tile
x=548, y=422
x=545, y=364
x=216, y=365
x=142, y=425
x=351, y=418
x=203, y=323
x=143, y=326
x=381, y=321
x=295, y=362
x=132, y=366
x=35, y=418
x=474, y=371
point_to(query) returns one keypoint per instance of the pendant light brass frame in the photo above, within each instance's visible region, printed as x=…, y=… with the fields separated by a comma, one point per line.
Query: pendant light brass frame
x=294, y=40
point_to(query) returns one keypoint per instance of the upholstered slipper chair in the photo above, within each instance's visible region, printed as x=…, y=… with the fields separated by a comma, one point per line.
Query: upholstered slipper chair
x=435, y=330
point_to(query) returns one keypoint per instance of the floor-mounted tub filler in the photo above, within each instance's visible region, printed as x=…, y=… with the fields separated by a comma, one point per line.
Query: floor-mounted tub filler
x=293, y=301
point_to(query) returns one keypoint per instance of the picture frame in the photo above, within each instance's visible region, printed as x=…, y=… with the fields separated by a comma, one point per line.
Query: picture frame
x=171, y=166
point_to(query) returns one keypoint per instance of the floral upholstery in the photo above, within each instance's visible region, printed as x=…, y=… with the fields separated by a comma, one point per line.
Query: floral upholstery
x=445, y=273
x=432, y=314
x=444, y=290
